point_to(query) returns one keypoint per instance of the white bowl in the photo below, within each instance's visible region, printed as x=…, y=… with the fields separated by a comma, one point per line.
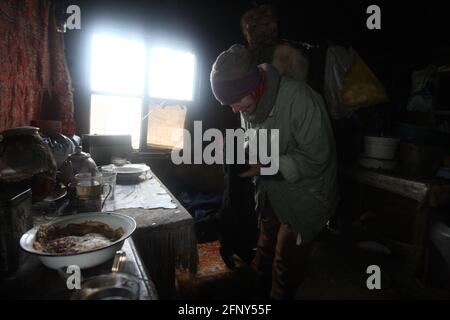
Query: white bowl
x=380, y=147
x=85, y=259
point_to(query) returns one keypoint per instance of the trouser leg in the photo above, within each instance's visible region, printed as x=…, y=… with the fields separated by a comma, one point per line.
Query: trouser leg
x=265, y=253
x=289, y=264
x=279, y=260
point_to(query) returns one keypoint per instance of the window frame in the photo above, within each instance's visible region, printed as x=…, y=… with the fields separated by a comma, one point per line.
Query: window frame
x=146, y=100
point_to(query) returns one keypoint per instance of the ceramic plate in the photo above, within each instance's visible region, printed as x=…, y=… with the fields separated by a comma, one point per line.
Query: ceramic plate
x=131, y=173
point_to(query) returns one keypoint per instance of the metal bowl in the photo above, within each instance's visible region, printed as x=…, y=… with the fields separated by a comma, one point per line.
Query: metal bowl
x=86, y=259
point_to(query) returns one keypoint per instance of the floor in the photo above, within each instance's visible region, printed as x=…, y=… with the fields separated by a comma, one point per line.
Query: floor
x=337, y=270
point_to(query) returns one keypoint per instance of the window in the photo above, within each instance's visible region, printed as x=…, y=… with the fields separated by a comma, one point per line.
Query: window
x=132, y=80
x=171, y=74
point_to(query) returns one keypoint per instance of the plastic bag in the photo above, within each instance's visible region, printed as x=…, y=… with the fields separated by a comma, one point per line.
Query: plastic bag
x=337, y=64
x=361, y=86
x=421, y=98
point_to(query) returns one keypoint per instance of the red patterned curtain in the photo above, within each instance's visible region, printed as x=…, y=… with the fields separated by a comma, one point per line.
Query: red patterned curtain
x=34, y=79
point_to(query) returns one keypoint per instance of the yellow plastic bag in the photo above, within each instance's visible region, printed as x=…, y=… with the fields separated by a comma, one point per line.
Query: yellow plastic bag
x=361, y=86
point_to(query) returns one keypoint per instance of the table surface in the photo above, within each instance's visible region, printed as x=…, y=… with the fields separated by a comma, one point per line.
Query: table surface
x=35, y=281
x=165, y=235
x=416, y=189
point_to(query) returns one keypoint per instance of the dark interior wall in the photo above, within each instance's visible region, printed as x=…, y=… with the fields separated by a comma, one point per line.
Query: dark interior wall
x=411, y=37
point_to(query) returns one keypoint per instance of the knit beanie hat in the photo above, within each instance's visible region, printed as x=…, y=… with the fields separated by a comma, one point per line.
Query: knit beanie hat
x=234, y=75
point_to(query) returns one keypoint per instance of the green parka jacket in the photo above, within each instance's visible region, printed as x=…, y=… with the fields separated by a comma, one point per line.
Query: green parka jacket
x=307, y=194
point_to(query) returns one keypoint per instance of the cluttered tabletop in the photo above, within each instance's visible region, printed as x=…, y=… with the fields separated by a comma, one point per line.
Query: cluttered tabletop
x=73, y=221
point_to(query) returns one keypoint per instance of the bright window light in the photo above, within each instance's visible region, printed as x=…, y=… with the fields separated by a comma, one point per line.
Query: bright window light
x=117, y=65
x=116, y=115
x=118, y=80
x=171, y=74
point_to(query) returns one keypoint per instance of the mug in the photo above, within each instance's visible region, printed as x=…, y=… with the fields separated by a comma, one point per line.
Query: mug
x=90, y=186
x=89, y=190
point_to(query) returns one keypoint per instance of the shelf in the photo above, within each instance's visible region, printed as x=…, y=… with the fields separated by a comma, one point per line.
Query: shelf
x=441, y=112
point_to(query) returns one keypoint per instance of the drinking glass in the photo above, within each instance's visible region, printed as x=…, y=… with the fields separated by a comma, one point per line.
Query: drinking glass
x=109, y=178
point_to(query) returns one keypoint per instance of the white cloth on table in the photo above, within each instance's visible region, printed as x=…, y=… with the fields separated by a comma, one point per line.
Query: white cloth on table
x=147, y=195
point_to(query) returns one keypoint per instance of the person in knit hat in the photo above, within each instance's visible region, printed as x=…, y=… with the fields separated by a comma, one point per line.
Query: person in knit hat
x=295, y=204
x=234, y=75
x=237, y=81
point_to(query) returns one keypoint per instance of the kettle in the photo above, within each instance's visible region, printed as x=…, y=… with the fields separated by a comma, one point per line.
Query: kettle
x=77, y=162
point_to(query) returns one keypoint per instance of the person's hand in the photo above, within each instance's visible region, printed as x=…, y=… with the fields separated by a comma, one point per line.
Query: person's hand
x=255, y=170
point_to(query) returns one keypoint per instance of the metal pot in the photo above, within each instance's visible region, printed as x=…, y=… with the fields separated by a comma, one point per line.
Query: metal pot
x=61, y=146
x=78, y=162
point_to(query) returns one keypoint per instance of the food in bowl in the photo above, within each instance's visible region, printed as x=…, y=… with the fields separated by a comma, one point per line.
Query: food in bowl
x=85, y=259
x=75, y=238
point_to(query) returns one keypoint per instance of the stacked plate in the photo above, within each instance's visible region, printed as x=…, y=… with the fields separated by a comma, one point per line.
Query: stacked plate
x=131, y=173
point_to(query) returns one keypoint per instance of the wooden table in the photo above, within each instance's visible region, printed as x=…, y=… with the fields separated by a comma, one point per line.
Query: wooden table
x=424, y=195
x=165, y=237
